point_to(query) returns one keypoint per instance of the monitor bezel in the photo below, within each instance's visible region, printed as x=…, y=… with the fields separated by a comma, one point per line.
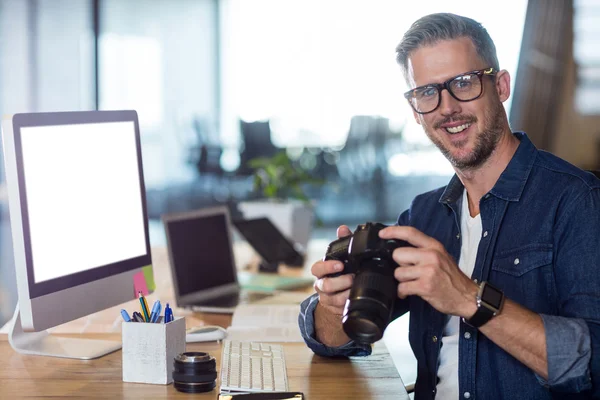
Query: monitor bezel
x=19, y=121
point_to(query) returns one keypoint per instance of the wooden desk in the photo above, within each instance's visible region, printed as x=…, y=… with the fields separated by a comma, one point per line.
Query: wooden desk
x=361, y=378
x=373, y=377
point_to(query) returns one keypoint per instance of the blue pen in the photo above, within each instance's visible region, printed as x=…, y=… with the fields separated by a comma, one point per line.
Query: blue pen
x=155, y=311
x=168, y=314
x=125, y=316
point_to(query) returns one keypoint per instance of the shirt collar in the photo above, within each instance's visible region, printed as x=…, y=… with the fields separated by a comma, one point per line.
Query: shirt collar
x=511, y=182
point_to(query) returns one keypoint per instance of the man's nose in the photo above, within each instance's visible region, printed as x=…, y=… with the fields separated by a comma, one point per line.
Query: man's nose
x=448, y=104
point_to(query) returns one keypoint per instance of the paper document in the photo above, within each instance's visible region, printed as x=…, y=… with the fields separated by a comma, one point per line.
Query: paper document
x=282, y=298
x=265, y=323
x=263, y=282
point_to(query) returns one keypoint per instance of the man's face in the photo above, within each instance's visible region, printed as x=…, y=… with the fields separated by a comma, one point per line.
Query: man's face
x=465, y=132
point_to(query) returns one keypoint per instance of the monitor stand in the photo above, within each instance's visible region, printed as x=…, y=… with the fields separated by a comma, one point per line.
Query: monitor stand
x=43, y=344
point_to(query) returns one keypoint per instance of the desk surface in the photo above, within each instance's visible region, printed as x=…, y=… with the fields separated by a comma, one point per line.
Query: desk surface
x=373, y=377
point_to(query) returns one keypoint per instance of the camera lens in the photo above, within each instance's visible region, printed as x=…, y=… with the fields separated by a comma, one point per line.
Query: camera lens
x=369, y=305
x=194, y=372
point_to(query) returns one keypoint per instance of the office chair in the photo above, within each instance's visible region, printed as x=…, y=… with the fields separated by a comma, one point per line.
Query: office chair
x=256, y=136
x=364, y=150
x=207, y=154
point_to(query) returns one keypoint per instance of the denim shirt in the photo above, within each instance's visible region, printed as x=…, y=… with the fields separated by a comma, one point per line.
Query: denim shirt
x=541, y=247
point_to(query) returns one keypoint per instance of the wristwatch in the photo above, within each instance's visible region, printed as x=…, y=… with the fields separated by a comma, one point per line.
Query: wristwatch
x=489, y=304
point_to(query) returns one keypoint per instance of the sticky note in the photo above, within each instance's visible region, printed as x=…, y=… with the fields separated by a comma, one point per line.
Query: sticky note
x=139, y=284
x=149, y=275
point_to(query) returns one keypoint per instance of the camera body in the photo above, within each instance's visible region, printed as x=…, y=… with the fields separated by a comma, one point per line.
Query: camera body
x=374, y=290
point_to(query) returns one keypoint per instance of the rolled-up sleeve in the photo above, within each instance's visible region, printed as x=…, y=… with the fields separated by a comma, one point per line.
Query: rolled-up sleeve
x=306, y=320
x=569, y=353
x=573, y=336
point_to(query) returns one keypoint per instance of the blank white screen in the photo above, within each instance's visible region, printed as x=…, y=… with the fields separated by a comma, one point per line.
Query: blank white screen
x=83, y=196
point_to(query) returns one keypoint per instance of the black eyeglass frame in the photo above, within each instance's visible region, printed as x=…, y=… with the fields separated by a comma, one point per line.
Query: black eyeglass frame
x=445, y=85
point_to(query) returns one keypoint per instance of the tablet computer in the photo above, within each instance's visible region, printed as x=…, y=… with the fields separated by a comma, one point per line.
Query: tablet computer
x=269, y=242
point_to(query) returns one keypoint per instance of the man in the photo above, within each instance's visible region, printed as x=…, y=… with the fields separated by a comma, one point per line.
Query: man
x=514, y=222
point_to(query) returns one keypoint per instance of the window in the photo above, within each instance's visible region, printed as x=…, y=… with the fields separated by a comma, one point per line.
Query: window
x=46, y=57
x=310, y=65
x=159, y=58
x=585, y=50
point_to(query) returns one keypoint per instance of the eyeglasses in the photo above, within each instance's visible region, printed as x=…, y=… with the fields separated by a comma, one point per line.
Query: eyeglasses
x=464, y=87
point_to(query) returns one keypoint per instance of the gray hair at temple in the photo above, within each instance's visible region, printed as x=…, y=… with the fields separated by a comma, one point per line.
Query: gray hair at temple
x=433, y=28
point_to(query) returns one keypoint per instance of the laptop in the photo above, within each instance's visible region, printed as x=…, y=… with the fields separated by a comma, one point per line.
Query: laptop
x=203, y=268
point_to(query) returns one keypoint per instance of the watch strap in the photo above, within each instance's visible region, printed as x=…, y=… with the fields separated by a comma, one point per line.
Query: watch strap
x=485, y=311
x=481, y=316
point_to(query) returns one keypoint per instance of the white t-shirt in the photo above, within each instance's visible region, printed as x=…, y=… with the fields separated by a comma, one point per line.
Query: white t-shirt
x=470, y=228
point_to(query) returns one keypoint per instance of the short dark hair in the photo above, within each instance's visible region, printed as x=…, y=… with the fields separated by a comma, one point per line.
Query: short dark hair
x=433, y=28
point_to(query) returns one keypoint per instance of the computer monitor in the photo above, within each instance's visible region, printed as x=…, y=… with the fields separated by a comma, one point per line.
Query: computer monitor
x=78, y=220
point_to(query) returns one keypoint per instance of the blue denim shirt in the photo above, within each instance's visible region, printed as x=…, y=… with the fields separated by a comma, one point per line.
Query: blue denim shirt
x=541, y=246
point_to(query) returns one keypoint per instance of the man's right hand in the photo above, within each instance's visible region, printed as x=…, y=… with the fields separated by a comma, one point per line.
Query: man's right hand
x=333, y=293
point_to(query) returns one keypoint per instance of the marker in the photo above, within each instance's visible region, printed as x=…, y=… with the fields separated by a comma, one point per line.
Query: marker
x=168, y=314
x=125, y=316
x=155, y=311
x=144, y=307
x=137, y=317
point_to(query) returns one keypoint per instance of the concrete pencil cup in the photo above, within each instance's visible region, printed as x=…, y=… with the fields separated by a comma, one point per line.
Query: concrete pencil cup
x=149, y=350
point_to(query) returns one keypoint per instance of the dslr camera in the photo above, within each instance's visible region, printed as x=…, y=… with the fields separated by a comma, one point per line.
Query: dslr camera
x=370, y=304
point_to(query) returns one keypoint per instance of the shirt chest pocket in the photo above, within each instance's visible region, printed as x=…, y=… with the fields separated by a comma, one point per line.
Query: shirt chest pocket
x=525, y=275
x=519, y=261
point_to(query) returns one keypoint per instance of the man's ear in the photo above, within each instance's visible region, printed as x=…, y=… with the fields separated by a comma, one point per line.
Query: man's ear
x=416, y=115
x=503, y=85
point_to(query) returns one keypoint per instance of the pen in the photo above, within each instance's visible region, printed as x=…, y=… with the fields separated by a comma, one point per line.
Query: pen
x=155, y=311
x=144, y=307
x=137, y=317
x=168, y=314
x=125, y=316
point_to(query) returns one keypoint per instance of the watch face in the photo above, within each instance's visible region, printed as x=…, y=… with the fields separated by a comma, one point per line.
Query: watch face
x=492, y=296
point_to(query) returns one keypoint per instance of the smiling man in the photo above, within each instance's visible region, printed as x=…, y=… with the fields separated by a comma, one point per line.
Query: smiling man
x=502, y=279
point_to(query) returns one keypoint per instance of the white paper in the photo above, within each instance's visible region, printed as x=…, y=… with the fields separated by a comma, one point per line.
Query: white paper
x=283, y=298
x=253, y=315
x=265, y=323
x=266, y=334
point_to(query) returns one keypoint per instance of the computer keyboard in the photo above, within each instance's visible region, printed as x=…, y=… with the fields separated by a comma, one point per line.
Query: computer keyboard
x=253, y=367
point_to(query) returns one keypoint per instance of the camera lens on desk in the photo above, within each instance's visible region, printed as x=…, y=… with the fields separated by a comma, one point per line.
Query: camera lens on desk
x=194, y=372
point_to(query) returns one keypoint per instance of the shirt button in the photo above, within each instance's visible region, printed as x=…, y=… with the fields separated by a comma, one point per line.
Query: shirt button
x=458, y=235
x=467, y=395
x=517, y=261
x=485, y=234
x=487, y=196
x=467, y=335
x=434, y=339
x=475, y=280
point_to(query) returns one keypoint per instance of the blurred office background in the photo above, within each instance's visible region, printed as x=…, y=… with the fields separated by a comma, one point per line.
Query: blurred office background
x=219, y=82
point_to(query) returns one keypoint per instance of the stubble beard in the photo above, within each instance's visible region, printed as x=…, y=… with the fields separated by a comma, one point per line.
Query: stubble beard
x=485, y=143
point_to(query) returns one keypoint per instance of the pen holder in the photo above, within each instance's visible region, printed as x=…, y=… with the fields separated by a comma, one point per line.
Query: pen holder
x=149, y=350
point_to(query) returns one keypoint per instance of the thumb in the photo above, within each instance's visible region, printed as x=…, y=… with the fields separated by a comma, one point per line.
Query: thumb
x=343, y=231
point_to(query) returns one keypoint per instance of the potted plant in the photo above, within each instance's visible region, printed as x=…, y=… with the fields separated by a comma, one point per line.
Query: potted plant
x=281, y=184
